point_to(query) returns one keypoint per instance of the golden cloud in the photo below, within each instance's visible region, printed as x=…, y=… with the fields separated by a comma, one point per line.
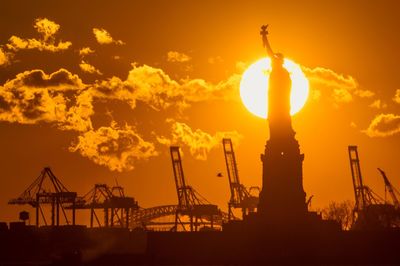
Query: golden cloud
x=88, y=68
x=341, y=87
x=62, y=99
x=114, y=147
x=78, y=117
x=199, y=142
x=329, y=77
x=396, y=97
x=85, y=51
x=341, y=95
x=149, y=85
x=159, y=91
x=47, y=29
x=174, y=56
x=156, y=88
x=363, y=93
x=384, y=125
x=4, y=58
x=378, y=104
x=34, y=96
x=104, y=37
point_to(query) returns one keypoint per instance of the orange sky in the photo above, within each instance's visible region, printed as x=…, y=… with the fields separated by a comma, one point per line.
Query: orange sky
x=160, y=72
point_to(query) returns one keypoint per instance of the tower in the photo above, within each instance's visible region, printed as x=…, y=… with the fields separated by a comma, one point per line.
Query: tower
x=282, y=198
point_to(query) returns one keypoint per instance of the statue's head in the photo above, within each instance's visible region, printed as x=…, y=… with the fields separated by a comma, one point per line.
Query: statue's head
x=278, y=60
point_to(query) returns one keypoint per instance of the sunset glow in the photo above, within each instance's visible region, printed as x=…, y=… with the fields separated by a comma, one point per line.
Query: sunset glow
x=101, y=95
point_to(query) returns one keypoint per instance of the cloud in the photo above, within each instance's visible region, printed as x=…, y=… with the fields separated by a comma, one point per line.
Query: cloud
x=78, y=117
x=46, y=27
x=173, y=56
x=197, y=90
x=114, y=147
x=342, y=88
x=159, y=91
x=327, y=76
x=341, y=95
x=62, y=100
x=34, y=97
x=61, y=79
x=88, y=68
x=104, y=37
x=4, y=57
x=47, y=30
x=85, y=51
x=315, y=94
x=396, y=97
x=199, y=142
x=153, y=86
x=378, y=104
x=326, y=79
x=384, y=125
x=363, y=93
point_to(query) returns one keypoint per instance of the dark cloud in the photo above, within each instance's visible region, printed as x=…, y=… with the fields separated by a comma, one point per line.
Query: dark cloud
x=30, y=106
x=59, y=98
x=37, y=78
x=4, y=105
x=384, y=125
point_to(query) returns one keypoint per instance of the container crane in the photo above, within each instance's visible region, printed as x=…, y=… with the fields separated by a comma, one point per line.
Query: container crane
x=389, y=187
x=370, y=211
x=190, y=203
x=48, y=189
x=117, y=207
x=240, y=196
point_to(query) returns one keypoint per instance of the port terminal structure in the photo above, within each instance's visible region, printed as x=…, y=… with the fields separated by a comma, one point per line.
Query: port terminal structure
x=110, y=207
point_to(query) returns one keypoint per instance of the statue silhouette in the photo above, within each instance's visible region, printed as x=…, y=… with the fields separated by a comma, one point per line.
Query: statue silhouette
x=278, y=93
x=282, y=197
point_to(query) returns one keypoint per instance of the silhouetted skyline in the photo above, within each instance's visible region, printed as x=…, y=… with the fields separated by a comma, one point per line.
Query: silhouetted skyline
x=99, y=93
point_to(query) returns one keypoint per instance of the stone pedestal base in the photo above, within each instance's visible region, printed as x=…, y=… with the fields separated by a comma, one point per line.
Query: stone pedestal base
x=282, y=196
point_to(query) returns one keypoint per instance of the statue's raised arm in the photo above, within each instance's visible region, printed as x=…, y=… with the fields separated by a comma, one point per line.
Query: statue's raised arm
x=264, y=34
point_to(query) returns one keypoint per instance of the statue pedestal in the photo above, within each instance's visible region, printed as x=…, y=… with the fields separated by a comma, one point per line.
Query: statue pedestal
x=282, y=197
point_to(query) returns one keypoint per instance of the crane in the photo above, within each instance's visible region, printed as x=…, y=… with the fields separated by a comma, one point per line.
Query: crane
x=48, y=189
x=116, y=206
x=240, y=196
x=370, y=211
x=190, y=203
x=389, y=187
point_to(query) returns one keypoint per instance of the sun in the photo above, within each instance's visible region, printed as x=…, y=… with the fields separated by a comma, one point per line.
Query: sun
x=254, y=87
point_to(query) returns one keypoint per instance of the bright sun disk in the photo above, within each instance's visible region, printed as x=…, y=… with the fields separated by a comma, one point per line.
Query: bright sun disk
x=254, y=87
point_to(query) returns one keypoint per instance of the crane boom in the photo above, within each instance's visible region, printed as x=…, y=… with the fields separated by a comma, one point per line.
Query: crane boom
x=359, y=189
x=237, y=192
x=181, y=188
x=240, y=196
x=48, y=189
x=190, y=203
x=390, y=188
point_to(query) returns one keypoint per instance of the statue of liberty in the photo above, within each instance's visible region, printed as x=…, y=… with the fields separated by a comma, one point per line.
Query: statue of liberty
x=282, y=196
x=279, y=88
